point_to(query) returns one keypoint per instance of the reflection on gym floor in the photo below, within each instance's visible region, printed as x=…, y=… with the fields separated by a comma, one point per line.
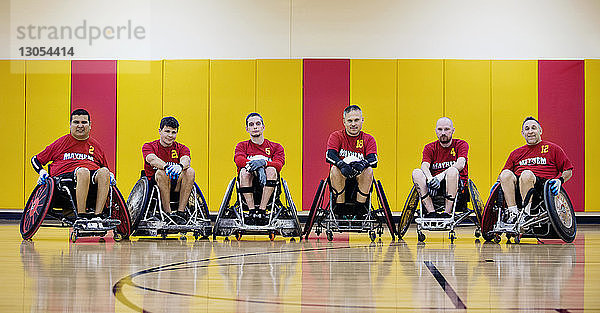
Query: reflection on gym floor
x=350, y=275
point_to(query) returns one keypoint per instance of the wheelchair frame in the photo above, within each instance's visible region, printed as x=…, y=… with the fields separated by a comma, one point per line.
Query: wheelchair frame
x=322, y=216
x=232, y=219
x=551, y=217
x=151, y=206
x=67, y=215
x=441, y=224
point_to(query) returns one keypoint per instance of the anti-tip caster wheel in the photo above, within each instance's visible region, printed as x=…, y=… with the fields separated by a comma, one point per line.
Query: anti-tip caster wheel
x=238, y=236
x=372, y=236
x=452, y=236
x=183, y=238
x=497, y=238
x=517, y=239
x=294, y=239
x=477, y=233
x=73, y=237
x=117, y=236
x=329, y=235
x=272, y=236
x=421, y=236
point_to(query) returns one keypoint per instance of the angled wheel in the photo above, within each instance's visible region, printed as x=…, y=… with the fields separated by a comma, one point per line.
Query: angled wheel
x=202, y=202
x=476, y=202
x=223, y=207
x=137, y=202
x=36, y=208
x=291, y=208
x=387, y=212
x=119, y=211
x=408, y=212
x=490, y=215
x=561, y=213
x=312, y=215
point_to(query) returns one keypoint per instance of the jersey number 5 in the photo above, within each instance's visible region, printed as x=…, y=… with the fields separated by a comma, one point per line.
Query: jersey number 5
x=268, y=151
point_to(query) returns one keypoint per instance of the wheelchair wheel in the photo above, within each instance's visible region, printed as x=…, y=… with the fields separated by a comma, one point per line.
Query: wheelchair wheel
x=410, y=206
x=389, y=219
x=138, y=201
x=312, y=215
x=223, y=208
x=476, y=202
x=562, y=215
x=489, y=217
x=202, y=201
x=119, y=211
x=36, y=208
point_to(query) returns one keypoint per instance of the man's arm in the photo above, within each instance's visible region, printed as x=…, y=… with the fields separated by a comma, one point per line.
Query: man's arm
x=425, y=168
x=240, y=158
x=278, y=158
x=37, y=166
x=155, y=161
x=566, y=175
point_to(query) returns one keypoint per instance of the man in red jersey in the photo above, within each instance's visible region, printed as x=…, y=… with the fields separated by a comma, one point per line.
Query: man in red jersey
x=530, y=166
x=81, y=158
x=444, y=166
x=168, y=163
x=258, y=160
x=352, y=154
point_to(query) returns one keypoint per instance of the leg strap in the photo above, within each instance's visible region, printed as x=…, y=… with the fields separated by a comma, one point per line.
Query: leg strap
x=362, y=193
x=246, y=189
x=271, y=183
x=449, y=197
x=425, y=196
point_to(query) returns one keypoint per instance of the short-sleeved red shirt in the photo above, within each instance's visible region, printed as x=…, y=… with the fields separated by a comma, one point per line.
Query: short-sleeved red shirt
x=246, y=150
x=68, y=153
x=359, y=146
x=441, y=158
x=545, y=159
x=167, y=154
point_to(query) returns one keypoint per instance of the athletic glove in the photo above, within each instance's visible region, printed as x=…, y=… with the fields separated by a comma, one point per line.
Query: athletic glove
x=433, y=183
x=555, y=186
x=173, y=170
x=360, y=166
x=43, y=177
x=347, y=170
x=253, y=165
x=262, y=176
x=113, y=181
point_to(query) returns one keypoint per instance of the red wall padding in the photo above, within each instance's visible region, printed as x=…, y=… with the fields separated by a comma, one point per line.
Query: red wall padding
x=561, y=107
x=94, y=88
x=326, y=94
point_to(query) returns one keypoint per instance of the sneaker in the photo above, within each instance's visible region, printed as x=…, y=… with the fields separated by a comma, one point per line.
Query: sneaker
x=431, y=215
x=511, y=216
x=445, y=215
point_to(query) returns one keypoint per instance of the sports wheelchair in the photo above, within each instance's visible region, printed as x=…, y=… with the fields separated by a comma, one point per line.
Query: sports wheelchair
x=56, y=199
x=349, y=216
x=149, y=219
x=549, y=217
x=460, y=212
x=238, y=219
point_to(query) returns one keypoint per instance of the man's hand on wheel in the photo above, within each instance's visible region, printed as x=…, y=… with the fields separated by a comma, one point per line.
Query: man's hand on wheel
x=555, y=186
x=43, y=177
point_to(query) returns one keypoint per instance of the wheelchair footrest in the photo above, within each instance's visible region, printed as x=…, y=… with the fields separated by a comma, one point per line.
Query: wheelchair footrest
x=435, y=224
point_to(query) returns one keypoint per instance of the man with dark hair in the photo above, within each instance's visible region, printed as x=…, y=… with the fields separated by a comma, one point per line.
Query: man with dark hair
x=81, y=158
x=352, y=154
x=443, y=166
x=258, y=160
x=167, y=162
x=530, y=166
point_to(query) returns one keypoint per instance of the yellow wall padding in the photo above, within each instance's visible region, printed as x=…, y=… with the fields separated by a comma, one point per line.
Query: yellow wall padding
x=139, y=110
x=373, y=87
x=279, y=101
x=514, y=96
x=420, y=104
x=592, y=144
x=48, y=103
x=185, y=96
x=467, y=94
x=12, y=102
x=232, y=97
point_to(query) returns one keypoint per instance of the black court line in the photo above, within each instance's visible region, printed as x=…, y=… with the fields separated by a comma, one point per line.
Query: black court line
x=458, y=303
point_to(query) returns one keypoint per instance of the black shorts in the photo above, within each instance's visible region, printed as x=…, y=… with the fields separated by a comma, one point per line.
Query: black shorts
x=70, y=180
x=173, y=183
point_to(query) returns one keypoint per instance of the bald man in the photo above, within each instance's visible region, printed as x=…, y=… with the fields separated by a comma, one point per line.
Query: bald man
x=444, y=171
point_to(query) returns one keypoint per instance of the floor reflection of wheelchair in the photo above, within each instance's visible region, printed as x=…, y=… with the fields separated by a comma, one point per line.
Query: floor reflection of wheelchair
x=460, y=212
x=238, y=219
x=56, y=199
x=149, y=219
x=550, y=217
x=350, y=216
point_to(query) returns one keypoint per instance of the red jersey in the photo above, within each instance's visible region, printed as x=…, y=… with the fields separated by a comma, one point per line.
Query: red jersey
x=441, y=158
x=68, y=153
x=167, y=154
x=246, y=150
x=545, y=159
x=359, y=146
